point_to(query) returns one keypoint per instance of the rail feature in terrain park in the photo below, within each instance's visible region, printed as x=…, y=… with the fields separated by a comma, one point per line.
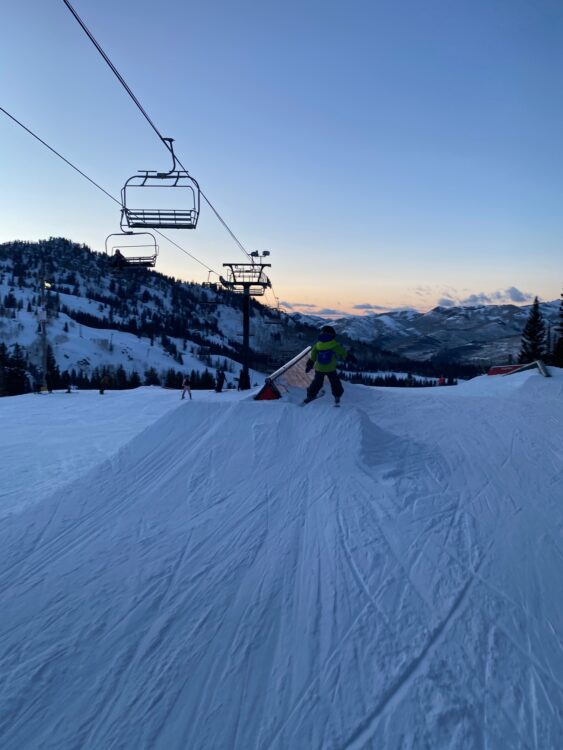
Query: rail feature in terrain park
x=292, y=374
x=511, y=369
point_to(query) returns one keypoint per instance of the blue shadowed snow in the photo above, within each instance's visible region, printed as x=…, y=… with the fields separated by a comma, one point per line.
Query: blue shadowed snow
x=225, y=573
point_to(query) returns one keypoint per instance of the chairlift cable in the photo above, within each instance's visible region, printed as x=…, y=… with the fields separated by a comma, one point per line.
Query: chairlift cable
x=148, y=119
x=223, y=222
x=114, y=70
x=173, y=242
x=59, y=155
x=109, y=195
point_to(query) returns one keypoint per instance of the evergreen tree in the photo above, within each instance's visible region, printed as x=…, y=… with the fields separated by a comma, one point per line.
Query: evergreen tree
x=3, y=360
x=121, y=381
x=52, y=368
x=207, y=380
x=151, y=377
x=134, y=380
x=170, y=379
x=558, y=350
x=533, y=336
x=15, y=377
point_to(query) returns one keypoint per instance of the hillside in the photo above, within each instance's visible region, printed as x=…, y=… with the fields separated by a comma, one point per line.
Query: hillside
x=233, y=574
x=103, y=318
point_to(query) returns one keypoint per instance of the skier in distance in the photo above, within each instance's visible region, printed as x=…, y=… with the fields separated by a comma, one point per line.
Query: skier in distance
x=186, y=387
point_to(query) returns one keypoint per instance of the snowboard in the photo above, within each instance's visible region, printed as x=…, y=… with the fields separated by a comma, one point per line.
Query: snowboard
x=320, y=393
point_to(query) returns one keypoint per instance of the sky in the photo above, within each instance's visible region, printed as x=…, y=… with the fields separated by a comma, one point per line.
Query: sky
x=387, y=575
x=388, y=154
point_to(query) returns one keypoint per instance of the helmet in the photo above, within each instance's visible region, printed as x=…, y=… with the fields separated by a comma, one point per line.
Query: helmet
x=329, y=330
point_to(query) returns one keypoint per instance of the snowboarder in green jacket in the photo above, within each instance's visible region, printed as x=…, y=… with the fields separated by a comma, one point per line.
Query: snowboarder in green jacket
x=324, y=357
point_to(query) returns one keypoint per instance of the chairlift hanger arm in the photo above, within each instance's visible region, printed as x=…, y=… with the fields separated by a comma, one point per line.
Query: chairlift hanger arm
x=168, y=143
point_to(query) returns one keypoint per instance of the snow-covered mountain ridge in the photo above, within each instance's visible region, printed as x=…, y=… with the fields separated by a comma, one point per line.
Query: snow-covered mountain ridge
x=476, y=334
x=103, y=318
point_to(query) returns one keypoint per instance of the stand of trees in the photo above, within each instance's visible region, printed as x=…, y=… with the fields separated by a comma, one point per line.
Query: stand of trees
x=120, y=380
x=537, y=342
x=392, y=381
x=558, y=349
x=534, y=340
x=14, y=379
x=18, y=376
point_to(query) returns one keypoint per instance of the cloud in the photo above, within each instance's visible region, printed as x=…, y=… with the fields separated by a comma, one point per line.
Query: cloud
x=477, y=299
x=451, y=297
x=423, y=291
x=297, y=304
x=515, y=295
x=329, y=311
x=512, y=294
x=446, y=302
x=367, y=306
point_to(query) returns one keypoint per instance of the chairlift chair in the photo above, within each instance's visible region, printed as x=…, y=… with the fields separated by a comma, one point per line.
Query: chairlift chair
x=213, y=286
x=246, y=278
x=141, y=252
x=139, y=192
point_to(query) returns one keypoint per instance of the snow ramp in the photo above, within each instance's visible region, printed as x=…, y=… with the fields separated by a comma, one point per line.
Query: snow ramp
x=259, y=575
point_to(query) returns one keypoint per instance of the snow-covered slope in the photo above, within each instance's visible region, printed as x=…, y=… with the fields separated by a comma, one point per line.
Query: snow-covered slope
x=240, y=574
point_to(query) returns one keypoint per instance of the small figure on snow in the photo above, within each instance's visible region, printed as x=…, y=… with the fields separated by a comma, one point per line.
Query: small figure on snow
x=104, y=383
x=186, y=388
x=243, y=380
x=220, y=381
x=324, y=357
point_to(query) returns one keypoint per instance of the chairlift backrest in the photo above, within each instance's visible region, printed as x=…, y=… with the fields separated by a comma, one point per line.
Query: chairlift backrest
x=160, y=200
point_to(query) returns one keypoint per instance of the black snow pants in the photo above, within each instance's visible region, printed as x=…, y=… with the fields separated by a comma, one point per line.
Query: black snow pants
x=317, y=384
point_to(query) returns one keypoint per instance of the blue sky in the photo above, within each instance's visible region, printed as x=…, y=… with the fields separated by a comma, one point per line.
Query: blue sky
x=388, y=154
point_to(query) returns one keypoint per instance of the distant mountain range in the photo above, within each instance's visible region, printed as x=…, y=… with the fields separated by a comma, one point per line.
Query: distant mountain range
x=471, y=335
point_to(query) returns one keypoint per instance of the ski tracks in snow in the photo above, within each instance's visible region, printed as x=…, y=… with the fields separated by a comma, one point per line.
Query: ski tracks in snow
x=258, y=576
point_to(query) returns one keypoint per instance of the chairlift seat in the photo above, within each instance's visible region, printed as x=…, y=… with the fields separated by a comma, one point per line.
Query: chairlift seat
x=141, y=262
x=149, y=218
x=132, y=242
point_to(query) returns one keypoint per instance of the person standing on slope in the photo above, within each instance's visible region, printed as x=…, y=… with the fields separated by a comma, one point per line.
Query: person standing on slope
x=323, y=357
x=220, y=381
x=104, y=383
x=186, y=388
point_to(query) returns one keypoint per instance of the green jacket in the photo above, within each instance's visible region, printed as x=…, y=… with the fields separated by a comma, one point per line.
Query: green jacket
x=325, y=355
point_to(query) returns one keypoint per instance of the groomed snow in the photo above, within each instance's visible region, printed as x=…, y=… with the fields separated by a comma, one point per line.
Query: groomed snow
x=225, y=573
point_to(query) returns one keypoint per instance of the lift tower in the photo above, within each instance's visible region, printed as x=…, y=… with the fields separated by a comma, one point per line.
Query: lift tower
x=249, y=280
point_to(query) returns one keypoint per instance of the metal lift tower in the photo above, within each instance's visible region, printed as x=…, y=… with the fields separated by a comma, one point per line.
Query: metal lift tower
x=249, y=280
